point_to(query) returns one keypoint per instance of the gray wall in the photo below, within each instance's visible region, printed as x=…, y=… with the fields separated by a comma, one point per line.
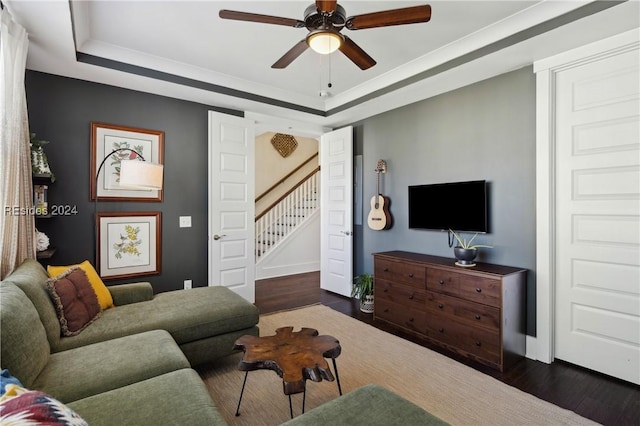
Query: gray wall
x=61, y=109
x=483, y=131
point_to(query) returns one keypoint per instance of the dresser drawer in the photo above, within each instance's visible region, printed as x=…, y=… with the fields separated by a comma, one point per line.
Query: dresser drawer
x=478, y=314
x=402, y=294
x=401, y=272
x=481, y=290
x=442, y=281
x=411, y=319
x=477, y=341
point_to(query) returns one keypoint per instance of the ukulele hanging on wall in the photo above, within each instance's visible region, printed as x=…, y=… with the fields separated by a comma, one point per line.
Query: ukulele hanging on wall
x=379, y=216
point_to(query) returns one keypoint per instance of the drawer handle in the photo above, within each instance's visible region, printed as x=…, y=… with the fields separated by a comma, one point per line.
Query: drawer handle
x=411, y=297
x=386, y=269
x=441, y=330
x=386, y=310
x=386, y=290
x=478, y=290
x=410, y=319
x=477, y=317
x=441, y=282
x=410, y=275
x=478, y=343
x=440, y=305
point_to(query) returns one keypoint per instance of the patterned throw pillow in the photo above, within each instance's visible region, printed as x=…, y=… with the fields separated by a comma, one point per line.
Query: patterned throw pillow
x=37, y=408
x=7, y=379
x=75, y=301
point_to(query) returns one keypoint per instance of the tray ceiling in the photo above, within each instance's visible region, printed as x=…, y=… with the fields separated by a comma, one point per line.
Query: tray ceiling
x=183, y=49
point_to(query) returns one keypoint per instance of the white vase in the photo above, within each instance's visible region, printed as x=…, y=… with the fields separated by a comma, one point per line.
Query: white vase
x=366, y=305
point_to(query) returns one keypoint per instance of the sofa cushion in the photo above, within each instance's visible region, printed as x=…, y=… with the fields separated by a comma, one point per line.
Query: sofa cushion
x=30, y=407
x=189, y=315
x=177, y=398
x=24, y=349
x=75, y=301
x=370, y=405
x=101, y=367
x=31, y=277
x=104, y=296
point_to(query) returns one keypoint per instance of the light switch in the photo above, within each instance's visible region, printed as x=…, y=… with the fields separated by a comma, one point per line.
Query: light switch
x=185, y=221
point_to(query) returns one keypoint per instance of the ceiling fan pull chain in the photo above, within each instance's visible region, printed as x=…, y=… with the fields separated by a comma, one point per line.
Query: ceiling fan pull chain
x=329, y=85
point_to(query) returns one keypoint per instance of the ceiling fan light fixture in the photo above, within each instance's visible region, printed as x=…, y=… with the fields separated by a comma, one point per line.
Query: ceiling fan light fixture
x=324, y=41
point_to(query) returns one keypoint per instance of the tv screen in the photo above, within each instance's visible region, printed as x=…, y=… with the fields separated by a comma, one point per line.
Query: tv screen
x=461, y=206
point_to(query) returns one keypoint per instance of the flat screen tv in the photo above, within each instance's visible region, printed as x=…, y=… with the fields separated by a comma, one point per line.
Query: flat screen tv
x=461, y=206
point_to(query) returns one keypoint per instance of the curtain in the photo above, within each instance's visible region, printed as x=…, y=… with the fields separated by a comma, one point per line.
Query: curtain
x=17, y=223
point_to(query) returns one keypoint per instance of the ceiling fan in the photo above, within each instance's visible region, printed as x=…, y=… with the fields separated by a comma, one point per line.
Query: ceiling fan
x=325, y=20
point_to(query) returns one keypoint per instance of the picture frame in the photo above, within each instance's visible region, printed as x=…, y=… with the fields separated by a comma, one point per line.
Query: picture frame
x=105, y=138
x=129, y=244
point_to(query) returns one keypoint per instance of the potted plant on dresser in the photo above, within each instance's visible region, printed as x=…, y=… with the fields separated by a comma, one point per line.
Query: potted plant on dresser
x=363, y=290
x=465, y=252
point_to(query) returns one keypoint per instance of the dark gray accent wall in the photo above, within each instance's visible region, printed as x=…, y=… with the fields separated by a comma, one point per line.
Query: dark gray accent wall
x=482, y=131
x=61, y=110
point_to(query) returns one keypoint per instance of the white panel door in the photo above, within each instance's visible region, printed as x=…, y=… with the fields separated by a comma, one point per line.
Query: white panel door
x=336, y=206
x=598, y=215
x=231, y=204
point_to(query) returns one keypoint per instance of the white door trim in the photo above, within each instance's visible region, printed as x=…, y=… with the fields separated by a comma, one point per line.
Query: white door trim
x=546, y=71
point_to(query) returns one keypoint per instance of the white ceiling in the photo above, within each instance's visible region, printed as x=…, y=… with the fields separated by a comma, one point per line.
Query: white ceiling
x=197, y=56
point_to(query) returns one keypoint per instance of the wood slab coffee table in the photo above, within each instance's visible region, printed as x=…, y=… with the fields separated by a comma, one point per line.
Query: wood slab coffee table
x=296, y=357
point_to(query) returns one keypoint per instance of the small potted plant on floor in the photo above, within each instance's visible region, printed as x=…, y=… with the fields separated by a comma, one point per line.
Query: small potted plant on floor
x=363, y=290
x=465, y=252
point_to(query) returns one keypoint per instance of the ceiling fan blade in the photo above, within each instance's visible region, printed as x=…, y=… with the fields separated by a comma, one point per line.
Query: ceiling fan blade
x=387, y=18
x=297, y=50
x=326, y=6
x=356, y=54
x=256, y=17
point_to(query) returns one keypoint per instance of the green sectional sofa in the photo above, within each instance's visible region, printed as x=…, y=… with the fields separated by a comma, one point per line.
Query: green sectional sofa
x=132, y=366
x=137, y=354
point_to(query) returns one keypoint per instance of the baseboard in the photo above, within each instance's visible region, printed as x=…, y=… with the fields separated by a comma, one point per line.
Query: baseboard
x=531, y=350
x=284, y=270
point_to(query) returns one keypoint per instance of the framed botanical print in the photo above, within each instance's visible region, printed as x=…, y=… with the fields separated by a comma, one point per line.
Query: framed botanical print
x=129, y=244
x=111, y=145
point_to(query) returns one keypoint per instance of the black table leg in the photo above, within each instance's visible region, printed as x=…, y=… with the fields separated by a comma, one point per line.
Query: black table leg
x=290, y=407
x=304, y=397
x=335, y=368
x=241, y=393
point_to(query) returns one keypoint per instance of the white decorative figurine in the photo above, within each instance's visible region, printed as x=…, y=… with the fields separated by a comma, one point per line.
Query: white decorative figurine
x=42, y=241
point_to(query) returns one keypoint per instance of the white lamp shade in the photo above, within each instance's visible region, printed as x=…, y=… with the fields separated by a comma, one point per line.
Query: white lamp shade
x=324, y=42
x=141, y=175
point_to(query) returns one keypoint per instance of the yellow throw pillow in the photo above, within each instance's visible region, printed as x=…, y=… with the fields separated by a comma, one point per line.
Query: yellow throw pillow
x=104, y=297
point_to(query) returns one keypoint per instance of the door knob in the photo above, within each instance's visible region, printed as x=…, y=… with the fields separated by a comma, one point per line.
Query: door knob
x=346, y=232
x=217, y=237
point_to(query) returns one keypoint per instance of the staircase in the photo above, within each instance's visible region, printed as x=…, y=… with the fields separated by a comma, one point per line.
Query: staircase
x=281, y=218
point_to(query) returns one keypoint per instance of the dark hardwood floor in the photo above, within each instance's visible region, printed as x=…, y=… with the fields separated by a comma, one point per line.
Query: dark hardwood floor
x=592, y=395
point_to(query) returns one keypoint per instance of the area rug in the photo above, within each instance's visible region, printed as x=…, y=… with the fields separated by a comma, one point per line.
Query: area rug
x=452, y=391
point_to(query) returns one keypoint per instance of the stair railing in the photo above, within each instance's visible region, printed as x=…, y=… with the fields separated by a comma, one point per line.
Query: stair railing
x=284, y=215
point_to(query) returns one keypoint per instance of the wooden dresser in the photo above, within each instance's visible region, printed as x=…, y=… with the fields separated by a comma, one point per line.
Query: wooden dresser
x=478, y=312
